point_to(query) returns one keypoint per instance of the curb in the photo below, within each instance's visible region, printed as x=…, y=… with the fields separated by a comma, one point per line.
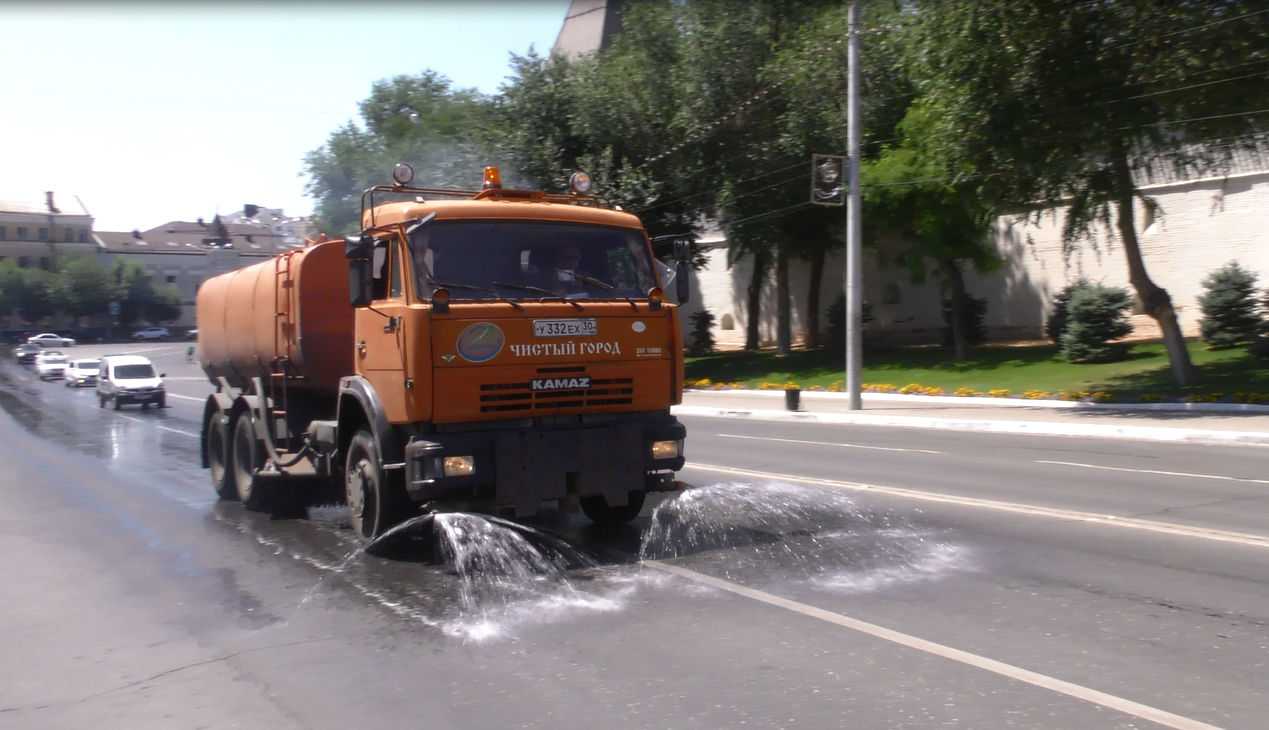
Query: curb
x=1139, y=433
x=1006, y=402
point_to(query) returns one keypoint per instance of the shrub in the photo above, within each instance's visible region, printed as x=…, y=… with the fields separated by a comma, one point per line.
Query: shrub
x=1230, y=316
x=1056, y=326
x=837, y=322
x=702, y=332
x=973, y=318
x=1097, y=315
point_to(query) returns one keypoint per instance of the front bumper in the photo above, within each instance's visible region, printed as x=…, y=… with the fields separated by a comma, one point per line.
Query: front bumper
x=523, y=467
x=153, y=396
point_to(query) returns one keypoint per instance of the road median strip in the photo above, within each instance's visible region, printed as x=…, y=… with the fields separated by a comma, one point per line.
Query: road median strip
x=1038, y=428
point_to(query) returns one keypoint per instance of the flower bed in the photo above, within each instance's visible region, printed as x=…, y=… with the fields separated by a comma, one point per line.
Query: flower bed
x=1097, y=396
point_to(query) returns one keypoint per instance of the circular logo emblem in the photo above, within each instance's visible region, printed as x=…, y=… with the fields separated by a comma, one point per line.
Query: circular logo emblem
x=480, y=342
x=638, y=326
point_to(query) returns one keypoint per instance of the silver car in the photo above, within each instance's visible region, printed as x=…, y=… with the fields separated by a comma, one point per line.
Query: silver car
x=48, y=339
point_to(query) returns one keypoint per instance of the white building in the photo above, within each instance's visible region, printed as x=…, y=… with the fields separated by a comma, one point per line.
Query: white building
x=35, y=230
x=273, y=223
x=1201, y=224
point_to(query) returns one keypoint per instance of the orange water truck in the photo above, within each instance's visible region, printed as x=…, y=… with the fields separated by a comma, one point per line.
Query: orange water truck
x=491, y=349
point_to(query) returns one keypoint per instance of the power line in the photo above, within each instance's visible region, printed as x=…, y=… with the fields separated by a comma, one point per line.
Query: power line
x=768, y=214
x=1192, y=29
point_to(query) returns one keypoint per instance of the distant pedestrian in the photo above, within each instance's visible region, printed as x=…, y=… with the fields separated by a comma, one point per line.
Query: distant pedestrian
x=189, y=354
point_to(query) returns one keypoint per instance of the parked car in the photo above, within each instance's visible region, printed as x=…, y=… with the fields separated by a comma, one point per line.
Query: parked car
x=151, y=333
x=26, y=353
x=82, y=372
x=48, y=339
x=192, y=334
x=50, y=365
x=124, y=379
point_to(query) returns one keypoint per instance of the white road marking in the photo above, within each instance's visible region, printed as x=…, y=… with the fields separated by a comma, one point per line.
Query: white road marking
x=158, y=426
x=185, y=397
x=1136, y=709
x=1241, y=538
x=826, y=443
x=1155, y=471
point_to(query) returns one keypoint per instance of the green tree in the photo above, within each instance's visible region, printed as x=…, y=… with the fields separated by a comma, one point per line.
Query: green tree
x=1098, y=315
x=1055, y=327
x=1230, y=316
x=139, y=298
x=11, y=288
x=1077, y=103
x=87, y=287
x=41, y=295
x=163, y=304
x=909, y=194
x=420, y=120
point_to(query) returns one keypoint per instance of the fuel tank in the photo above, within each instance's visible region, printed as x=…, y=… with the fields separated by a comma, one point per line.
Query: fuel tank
x=290, y=313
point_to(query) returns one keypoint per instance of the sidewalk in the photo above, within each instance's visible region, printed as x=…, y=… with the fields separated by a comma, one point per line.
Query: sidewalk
x=1221, y=427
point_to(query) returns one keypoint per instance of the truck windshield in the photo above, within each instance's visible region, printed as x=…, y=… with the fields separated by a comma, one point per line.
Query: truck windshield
x=134, y=372
x=525, y=260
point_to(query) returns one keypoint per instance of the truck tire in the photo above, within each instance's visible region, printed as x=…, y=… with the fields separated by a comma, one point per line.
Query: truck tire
x=599, y=511
x=247, y=458
x=373, y=502
x=218, y=457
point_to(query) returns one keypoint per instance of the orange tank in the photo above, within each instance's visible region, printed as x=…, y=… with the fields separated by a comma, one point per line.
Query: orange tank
x=290, y=313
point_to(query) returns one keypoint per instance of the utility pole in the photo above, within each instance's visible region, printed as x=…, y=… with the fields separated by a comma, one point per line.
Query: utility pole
x=854, y=228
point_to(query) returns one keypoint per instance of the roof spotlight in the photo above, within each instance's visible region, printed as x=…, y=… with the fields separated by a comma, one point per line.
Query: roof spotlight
x=402, y=173
x=580, y=182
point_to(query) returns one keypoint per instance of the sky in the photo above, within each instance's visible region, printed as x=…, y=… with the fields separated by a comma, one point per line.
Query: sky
x=152, y=112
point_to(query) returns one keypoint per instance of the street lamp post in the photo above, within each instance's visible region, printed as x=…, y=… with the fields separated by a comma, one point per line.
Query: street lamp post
x=854, y=278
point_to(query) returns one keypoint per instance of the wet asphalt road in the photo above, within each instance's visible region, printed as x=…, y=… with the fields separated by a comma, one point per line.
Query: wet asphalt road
x=133, y=599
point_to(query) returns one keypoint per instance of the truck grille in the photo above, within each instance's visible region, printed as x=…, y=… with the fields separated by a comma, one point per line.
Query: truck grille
x=504, y=397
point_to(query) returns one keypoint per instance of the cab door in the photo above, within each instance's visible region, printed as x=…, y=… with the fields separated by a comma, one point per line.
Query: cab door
x=380, y=341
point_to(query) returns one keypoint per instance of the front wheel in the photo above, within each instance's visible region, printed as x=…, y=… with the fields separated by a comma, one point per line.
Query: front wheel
x=605, y=515
x=373, y=502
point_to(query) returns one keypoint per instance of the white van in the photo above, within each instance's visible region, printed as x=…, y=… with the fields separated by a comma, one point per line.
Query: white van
x=124, y=379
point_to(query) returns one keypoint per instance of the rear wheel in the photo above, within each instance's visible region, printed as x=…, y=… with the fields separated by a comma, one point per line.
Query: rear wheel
x=373, y=502
x=601, y=513
x=247, y=458
x=218, y=457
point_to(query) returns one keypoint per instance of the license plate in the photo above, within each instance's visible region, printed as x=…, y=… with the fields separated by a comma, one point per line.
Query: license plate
x=141, y=397
x=577, y=382
x=564, y=327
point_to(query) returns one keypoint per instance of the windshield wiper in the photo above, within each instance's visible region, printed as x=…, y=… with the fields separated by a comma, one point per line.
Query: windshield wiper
x=596, y=282
x=540, y=290
x=470, y=287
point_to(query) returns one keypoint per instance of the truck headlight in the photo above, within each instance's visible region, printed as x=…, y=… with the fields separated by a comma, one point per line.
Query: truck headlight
x=459, y=466
x=666, y=449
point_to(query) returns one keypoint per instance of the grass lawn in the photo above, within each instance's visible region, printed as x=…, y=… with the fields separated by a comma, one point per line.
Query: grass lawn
x=1017, y=369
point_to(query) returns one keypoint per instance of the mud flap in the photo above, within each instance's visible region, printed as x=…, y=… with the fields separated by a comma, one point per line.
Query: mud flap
x=531, y=467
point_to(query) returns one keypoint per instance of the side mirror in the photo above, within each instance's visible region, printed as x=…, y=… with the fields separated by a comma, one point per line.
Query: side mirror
x=359, y=247
x=162, y=375
x=683, y=249
x=682, y=290
x=358, y=286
